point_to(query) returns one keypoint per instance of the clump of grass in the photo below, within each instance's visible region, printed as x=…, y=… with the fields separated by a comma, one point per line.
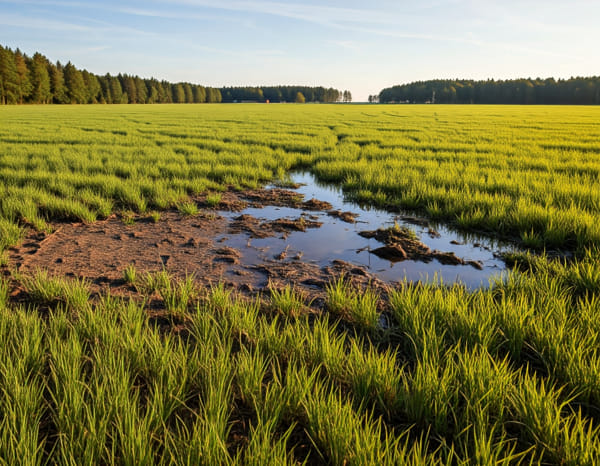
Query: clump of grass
x=155, y=282
x=531, y=239
x=287, y=301
x=48, y=290
x=404, y=231
x=4, y=292
x=128, y=217
x=178, y=295
x=570, y=440
x=188, y=208
x=154, y=216
x=360, y=307
x=10, y=233
x=213, y=199
x=219, y=298
x=130, y=274
x=340, y=295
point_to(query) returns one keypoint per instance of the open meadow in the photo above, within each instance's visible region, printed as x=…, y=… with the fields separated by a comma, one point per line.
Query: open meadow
x=163, y=364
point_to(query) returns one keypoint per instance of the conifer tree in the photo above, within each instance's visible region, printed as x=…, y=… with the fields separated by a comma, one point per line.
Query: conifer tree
x=40, y=80
x=153, y=93
x=8, y=77
x=76, y=90
x=116, y=91
x=141, y=92
x=189, y=95
x=57, y=83
x=23, y=82
x=165, y=92
x=178, y=93
x=128, y=85
x=199, y=95
x=92, y=87
x=213, y=96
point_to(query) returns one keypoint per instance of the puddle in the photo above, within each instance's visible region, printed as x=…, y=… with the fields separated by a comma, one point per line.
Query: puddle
x=261, y=237
x=336, y=239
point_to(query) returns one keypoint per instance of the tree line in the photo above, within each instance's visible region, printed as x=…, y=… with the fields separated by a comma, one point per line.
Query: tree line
x=573, y=91
x=298, y=94
x=37, y=80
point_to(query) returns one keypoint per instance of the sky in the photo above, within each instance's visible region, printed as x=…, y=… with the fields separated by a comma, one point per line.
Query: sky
x=355, y=45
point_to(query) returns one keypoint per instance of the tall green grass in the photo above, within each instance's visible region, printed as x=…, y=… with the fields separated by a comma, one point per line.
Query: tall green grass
x=422, y=374
x=528, y=173
x=505, y=375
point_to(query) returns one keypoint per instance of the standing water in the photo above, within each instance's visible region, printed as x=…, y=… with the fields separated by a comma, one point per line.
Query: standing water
x=339, y=240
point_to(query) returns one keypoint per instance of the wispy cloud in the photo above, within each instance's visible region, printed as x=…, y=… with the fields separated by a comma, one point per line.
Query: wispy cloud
x=166, y=14
x=99, y=48
x=471, y=39
x=47, y=24
x=8, y=19
x=311, y=13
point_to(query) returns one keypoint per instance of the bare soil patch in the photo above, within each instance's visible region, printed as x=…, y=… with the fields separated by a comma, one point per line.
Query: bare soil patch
x=183, y=245
x=101, y=251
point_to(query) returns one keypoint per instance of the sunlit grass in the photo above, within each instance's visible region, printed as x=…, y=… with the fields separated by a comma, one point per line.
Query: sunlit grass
x=449, y=375
x=230, y=379
x=528, y=173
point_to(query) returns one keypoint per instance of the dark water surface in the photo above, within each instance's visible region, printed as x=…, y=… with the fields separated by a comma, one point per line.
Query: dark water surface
x=337, y=239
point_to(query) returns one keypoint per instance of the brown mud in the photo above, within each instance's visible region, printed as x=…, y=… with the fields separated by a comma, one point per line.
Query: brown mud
x=402, y=244
x=264, y=229
x=101, y=251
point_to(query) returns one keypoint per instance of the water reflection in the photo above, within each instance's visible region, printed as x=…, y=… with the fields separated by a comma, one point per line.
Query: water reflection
x=336, y=239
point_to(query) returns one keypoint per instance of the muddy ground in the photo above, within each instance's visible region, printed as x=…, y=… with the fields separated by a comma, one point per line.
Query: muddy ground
x=193, y=244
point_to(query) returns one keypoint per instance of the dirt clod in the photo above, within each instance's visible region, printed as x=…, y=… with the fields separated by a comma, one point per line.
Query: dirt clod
x=348, y=217
x=402, y=244
x=315, y=204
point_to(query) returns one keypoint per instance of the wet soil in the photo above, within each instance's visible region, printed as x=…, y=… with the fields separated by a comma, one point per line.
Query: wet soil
x=251, y=241
x=101, y=251
x=402, y=244
x=264, y=229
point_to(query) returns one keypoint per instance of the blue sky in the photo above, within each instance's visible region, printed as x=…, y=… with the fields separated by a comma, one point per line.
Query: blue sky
x=360, y=46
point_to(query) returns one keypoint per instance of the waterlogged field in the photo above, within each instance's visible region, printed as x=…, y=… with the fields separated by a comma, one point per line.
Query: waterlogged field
x=525, y=172
x=178, y=373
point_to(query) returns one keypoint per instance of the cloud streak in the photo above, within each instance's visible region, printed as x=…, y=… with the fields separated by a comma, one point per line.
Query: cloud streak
x=46, y=24
x=310, y=13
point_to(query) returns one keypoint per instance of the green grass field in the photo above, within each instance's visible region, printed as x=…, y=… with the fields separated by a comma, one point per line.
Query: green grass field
x=507, y=374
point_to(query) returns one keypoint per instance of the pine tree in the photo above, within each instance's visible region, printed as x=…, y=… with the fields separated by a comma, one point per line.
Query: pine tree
x=76, y=89
x=141, y=92
x=213, y=95
x=57, y=83
x=8, y=77
x=40, y=80
x=128, y=85
x=165, y=92
x=23, y=82
x=199, y=94
x=153, y=92
x=116, y=91
x=92, y=87
x=189, y=95
x=178, y=93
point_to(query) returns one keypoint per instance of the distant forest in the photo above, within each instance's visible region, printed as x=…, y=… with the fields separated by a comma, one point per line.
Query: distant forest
x=37, y=80
x=573, y=91
x=284, y=94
